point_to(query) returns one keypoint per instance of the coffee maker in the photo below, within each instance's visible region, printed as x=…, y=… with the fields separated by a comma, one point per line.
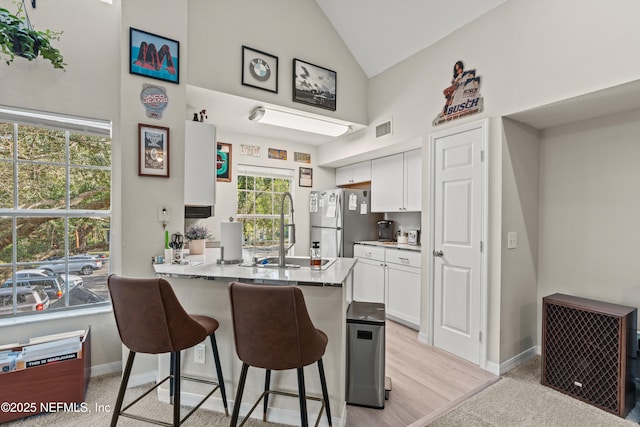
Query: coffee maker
x=385, y=230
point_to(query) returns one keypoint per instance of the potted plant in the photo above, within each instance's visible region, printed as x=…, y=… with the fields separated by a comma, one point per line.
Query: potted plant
x=196, y=234
x=18, y=38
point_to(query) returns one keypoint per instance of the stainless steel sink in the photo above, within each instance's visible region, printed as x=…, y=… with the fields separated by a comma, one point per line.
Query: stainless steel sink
x=293, y=262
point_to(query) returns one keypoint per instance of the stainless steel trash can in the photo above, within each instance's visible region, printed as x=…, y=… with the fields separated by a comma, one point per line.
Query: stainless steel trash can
x=365, y=354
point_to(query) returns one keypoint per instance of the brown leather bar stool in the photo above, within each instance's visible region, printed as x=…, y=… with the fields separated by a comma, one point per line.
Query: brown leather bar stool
x=151, y=320
x=272, y=330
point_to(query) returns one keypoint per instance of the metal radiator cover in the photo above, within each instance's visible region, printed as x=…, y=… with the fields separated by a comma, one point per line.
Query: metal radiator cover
x=587, y=351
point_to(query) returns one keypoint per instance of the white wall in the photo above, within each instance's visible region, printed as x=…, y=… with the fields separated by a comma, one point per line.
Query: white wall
x=519, y=266
x=286, y=29
x=527, y=53
x=89, y=88
x=589, y=210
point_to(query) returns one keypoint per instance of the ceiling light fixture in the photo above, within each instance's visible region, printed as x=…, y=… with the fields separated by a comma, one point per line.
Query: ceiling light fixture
x=301, y=122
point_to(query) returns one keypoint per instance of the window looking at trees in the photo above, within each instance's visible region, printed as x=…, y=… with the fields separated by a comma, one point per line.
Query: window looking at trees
x=260, y=193
x=55, y=211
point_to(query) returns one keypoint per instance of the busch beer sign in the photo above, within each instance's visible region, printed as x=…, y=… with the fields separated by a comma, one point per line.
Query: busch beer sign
x=462, y=97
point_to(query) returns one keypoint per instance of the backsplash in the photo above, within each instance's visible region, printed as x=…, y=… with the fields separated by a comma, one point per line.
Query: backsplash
x=406, y=220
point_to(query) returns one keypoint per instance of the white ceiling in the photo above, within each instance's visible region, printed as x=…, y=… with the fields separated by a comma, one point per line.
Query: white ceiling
x=381, y=33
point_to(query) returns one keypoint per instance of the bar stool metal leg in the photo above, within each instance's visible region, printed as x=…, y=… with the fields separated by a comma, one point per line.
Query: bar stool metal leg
x=123, y=387
x=303, y=398
x=171, y=376
x=238, y=401
x=176, y=388
x=267, y=384
x=325, y=394
x=216, y=357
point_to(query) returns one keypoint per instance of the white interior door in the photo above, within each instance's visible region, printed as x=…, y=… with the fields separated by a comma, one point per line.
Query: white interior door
x=457, y=234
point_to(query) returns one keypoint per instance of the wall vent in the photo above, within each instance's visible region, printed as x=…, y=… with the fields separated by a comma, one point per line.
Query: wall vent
x=383, y=129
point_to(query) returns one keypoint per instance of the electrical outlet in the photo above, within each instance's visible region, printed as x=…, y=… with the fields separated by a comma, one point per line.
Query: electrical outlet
x=198, y=353
x=512, y=242
x=163, y=214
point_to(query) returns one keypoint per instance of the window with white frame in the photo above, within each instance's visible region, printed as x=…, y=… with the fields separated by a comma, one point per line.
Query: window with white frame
x=260, y=194
x=55, y=211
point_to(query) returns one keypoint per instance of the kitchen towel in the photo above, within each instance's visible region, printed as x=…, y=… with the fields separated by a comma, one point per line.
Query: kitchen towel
x=231, y=240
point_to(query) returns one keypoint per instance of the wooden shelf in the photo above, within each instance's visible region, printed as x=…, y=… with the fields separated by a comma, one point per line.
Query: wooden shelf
x=55, y=382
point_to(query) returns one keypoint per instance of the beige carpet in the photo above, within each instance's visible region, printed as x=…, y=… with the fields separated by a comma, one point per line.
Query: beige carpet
x=518, y=399
x=103, y=391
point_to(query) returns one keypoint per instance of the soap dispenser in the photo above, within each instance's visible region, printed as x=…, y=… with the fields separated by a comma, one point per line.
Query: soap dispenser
x=315, y=257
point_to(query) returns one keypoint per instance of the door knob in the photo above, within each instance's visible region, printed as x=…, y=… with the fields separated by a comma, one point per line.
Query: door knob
x=437, y=254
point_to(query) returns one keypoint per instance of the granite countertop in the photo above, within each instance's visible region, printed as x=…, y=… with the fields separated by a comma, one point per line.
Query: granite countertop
x=206, y=267
x=391, y=245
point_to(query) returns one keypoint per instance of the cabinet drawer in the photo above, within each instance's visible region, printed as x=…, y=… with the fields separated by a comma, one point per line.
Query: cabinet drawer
x=408, y=258
x=370, y=252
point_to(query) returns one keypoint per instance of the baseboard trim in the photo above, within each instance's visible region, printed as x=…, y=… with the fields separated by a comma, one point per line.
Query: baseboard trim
x=142, y=378
x=518, y=360
x=274, y=415
x=423, y=338
x=106, y=369
x=492, y=367
x=135, y=380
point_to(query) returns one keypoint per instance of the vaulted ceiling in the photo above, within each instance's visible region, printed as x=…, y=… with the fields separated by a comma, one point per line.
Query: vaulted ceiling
x=378, y=33
x=381, y=33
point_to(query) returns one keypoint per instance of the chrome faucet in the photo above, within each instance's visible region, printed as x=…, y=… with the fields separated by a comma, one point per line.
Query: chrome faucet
x=281, y=248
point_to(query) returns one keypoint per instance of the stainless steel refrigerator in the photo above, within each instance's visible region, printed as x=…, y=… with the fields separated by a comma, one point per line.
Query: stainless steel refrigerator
x=340, y=217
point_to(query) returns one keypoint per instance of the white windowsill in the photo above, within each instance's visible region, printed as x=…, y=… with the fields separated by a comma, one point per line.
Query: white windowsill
x=62, y=314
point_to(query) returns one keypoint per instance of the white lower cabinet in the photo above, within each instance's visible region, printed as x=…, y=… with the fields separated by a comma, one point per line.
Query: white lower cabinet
x=390, y=276
x=368, y=275
x=403, y=294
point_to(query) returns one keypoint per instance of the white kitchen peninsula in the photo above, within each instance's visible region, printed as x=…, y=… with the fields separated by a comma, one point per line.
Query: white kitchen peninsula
x=202, y=288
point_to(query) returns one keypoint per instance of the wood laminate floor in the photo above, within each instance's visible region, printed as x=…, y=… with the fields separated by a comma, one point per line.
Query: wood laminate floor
x=426, y=382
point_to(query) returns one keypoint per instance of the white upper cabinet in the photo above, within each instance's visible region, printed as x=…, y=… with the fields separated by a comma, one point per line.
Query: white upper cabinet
x=413, y=181
x=200, y=164
x=354, y=174
x=387, y=183
x=396, y=183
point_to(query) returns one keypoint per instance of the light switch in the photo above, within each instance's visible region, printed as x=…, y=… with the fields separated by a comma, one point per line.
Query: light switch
x=511, y=240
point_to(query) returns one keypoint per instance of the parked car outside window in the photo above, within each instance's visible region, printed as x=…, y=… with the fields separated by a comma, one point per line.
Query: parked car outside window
x=85, y=264
x=51, y=285
x=72, y=279
x=29, y=299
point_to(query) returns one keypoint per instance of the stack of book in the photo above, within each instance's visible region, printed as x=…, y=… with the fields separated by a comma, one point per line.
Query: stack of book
x=41, y=351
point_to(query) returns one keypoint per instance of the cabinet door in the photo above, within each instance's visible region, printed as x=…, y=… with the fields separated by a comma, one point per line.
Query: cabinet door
x=403, y=294
x=387, y=182
x=344, y=175
x=199, y=162
x=368, y=281
x=361, y=172
x=413, y=181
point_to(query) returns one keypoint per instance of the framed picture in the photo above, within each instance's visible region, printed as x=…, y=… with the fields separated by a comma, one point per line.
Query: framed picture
x=314, y=85
x=223, y=162
x=259, y=69
x=306, y=177
x=153, y=151
x=154, y=56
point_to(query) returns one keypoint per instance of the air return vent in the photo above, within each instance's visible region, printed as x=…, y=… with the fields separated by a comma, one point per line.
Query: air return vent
x=588, y=351
x=383, y=129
